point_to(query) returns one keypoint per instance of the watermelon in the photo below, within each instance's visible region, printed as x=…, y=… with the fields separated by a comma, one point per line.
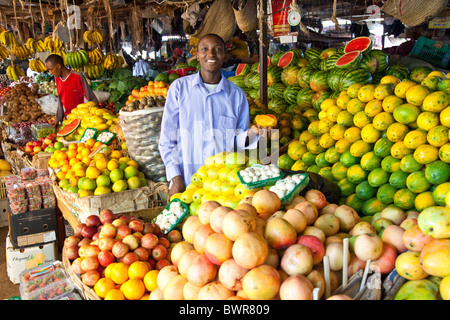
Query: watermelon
x=273, y=75
x=294, y=108
x=328, y=52
x=248, y=78
x=382, y=59
x=335, y=94
x=254, y=93
x=363, y=44
x=254, y=67
x=297, y=52
x=334, y=78
x=173, y=77
x=242, y=69
x=369, y=62
x=69, y=128
x=102, y=148
x=238, y=80
x=319, y=81
x=288, y=59
x=377, y=76
x=289, y=75
x=304, y=98
x=331, y=61
x=268, y=64
x=349, y=60
x=181, y=66
x=193, y=63
x=277, y=104
x=318, y=98
x=352, y=76
x=314, y=63
x=275, y=90
x=312, y=53
x=398, y=70
x=276, y=57
x=323, y=65
x=304, y=76
x=420, y=73
x=255, y=81
x=164, y=77
x=290, y=93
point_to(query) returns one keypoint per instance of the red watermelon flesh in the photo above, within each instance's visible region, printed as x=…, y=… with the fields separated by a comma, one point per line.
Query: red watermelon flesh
x=286, y=60
x=242, y=69
x=68, y=129
x=349, y=59
x=358, y=44
x=268, y=64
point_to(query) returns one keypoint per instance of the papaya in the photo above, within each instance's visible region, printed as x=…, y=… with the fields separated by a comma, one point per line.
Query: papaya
x=266, y=120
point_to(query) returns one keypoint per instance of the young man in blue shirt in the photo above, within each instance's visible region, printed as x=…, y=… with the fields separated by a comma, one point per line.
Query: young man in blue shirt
x=204, y=114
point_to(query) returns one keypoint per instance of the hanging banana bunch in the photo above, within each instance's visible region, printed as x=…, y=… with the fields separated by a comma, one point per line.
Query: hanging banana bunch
x=77, y=60
x=8, y=38
x=53, y=45
x=35, y=45
x=111, y=61
x=95, y=56
x=4, y=52
x=92, y=37
x=94, y=71
x=37, y=65
x=14, y=72
x=21, y=52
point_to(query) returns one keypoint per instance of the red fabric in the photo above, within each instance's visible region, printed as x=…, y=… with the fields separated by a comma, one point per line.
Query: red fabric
x=70, y=91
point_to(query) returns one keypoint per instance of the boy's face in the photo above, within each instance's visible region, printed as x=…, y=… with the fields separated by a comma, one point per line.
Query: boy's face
x=211, y=54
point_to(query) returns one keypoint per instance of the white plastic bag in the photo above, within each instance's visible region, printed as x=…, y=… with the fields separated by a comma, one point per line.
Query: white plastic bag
x=102, y=96
x=49, y=104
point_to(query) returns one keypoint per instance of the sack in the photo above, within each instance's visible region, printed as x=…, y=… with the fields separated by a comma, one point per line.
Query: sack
x=102, y=96
x=413, y=12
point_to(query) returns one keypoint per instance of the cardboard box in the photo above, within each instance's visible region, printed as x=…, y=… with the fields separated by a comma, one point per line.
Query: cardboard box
x=18, y=260
x=33, y=227
x=3, y=212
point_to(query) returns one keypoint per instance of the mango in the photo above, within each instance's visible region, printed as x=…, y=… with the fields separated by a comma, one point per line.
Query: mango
x=423, y=289
x=435, y=222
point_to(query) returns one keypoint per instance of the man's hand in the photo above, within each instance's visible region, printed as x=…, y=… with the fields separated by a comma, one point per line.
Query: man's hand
x=54, y=123
x=177, y=186
x=262, y=131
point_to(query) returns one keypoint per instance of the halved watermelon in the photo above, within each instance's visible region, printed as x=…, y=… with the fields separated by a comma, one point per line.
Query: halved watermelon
x=68, y=129
x=363, y=44
x=288, y=59
x=268, y=64
x=351, y=59
x=242, y=69
x=102, y=148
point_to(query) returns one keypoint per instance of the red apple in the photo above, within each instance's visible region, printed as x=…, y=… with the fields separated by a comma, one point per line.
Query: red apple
x=106, y=214
x=142, y=253
x=119, y=249
x=37, y=149
x=84, y=241
x=51, y=136
x=149, y=241
x=138, y=235
x=108, y=231
x=90, y=278
x=164, y=241
x=132, y=241
x=130, y=257
x=106, y=243
x=156, y=230
x=136, y=225
x=127, y=219
x=47, y=141
x=148, y=228
x=119, y=222
x=151, y=262
x=71, y=241
x=52, y=144
x=76, y=265
x=315, y=245
x=93, y=221
x=122, y=232
x=91, y=251
x=88, y=232
x=386, y=262
x=174, y=236
x=105, y=257
x=89, y=263
x=159, y=252
x=161, y=264
x=72, y=252
x=29, y=149
x=37, y=143
x=96, y=236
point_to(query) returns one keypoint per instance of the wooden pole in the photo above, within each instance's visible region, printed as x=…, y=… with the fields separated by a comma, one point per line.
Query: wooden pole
x=263, y=51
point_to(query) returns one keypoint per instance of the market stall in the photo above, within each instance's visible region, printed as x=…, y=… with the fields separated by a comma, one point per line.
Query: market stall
x=347, y=198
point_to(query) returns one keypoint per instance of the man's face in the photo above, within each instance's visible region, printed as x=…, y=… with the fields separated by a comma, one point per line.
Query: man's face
x=54, y=70
x=211, y=54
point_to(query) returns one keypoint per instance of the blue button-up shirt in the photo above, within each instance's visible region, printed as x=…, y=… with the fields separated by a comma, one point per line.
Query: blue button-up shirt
x=197, y=124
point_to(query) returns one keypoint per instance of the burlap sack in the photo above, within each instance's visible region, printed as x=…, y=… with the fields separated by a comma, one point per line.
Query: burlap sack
x=246, y=18
x=414, y=12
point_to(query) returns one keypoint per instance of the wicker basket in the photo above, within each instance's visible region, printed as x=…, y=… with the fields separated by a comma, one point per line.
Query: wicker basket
x=87, y=292
x=413, y=12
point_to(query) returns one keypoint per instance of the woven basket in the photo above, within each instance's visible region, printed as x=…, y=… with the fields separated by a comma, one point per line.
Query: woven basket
x=15, y=156
x=219, y=20
x=246, y=18
x=87, y=292
x=414, y=12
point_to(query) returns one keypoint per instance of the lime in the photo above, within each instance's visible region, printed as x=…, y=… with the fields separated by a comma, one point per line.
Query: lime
x=378, y=177
x=103, y=181
x=365, y=191
x=386, y=193
x=119, y=185
x=116, y=175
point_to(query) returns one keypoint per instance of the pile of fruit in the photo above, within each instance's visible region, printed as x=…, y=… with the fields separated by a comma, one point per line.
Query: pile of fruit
x=48, y=87
x=155, y=93
x=90, y=115
x=44, y=144
x=21, y=105
x=5, y=168
x=92, y=168
x=118, y=255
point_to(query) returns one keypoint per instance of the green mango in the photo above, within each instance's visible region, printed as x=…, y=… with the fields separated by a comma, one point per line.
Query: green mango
x=423, y=289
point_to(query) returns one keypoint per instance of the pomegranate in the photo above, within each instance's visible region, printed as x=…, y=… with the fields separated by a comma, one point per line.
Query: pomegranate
x=205, y=209
x=316, y=197
x=386, y=262
x=200, y=237
x=179, y=250
x=218, y=248
x=309, y=210
x=296, y=287
x=261, y=283
x=216, y=218
x=231, y=274
x=250, y=250
x=214, y=291
x=297, y=259
x=165, y=275
x=174, y=288
x=279, y=233
x=190, y=291
x=201, y=271
x=297, y=199
x=393, y=235
x=266, y=202
x=237, y=222
x=191, y=225
x=296, y=218
x=247, y=207
x=185, y=261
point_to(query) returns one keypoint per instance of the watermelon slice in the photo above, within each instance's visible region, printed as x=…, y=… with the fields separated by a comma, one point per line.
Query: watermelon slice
x=68, y=129
x=102, y=148
x=268, y=64
x=351, y=59
x=242, y=69
x=287, y=59
x=363, y=44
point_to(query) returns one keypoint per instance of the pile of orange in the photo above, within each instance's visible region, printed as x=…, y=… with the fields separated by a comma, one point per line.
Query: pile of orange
x=153, y=88
x=127, y=282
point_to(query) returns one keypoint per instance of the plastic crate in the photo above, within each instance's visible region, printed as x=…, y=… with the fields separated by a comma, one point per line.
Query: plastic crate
x=431, y=51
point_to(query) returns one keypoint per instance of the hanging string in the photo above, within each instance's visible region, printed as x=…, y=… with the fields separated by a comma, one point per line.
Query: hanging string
x=333, y=16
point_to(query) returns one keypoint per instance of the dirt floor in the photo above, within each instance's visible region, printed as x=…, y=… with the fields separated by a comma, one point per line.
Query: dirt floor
x=7, y=288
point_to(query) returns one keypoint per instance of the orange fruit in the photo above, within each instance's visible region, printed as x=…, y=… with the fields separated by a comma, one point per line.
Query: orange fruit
x=138, y=270
x=90, y=143
x=72, y=146
x=150, y=280
x=119, y=273
x=116, y=154
x=86, y=160
x=71, y=154
x=86, y=151
x=92, y=173
x=115, y=294
x=133, y=289
x=73, y=161
x=112, y=164
x=101, y=163
x=65, y=168
x=102, y=287
x=79, y=156
x=61, y=175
